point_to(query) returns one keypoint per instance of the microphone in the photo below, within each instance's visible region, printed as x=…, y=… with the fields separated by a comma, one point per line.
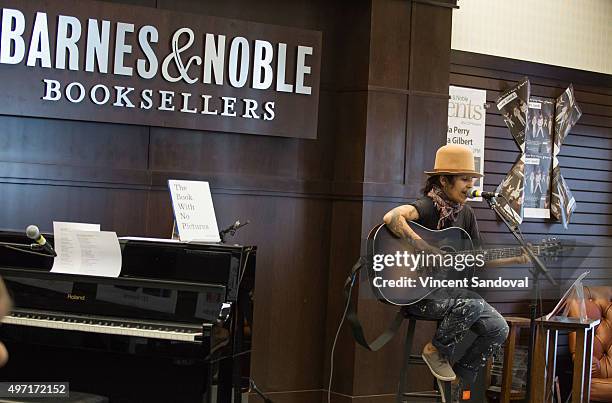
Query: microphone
x=238, y=225
x=34, y=234
x=231, y=230
x=479, y=193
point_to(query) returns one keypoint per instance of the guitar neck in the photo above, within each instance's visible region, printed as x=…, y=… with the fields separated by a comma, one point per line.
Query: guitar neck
x=500, y=253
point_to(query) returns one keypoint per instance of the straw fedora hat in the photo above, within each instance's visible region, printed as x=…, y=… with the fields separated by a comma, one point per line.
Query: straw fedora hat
x=454, y=159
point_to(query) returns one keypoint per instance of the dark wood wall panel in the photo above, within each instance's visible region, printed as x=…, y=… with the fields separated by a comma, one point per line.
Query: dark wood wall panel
x=292, y=272
x=351, y=120
x=348, y=47
x=193, y=151
x=316, y=158
x=426, y=132
x=389, y=60
x=279, y=12
x=386, y=118
x=119, y=210
x=49, y=141
x=344, y=235
x=430, y=42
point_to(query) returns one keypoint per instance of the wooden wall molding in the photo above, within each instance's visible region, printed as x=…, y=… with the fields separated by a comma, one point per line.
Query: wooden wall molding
x=431, y=94
x=392, y=90
x=449, y=4
x=94, y=177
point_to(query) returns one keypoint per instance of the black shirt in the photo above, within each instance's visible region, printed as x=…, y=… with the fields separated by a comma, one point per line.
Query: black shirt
x=429, y=216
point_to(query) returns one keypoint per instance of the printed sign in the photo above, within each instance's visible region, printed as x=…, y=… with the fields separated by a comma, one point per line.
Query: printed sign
x=514, y=109
x=104, y=62
x=194, y=211
x=466, y=123
x=539, y=134
x=567, y=114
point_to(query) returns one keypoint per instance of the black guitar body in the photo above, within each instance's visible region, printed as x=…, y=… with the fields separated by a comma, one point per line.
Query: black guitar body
x=381, y=241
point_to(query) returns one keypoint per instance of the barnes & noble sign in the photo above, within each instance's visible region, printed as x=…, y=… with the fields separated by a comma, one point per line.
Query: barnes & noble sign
x=103, y=62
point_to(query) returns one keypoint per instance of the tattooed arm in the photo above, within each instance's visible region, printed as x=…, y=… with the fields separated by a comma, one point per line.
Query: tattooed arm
x=397, y=219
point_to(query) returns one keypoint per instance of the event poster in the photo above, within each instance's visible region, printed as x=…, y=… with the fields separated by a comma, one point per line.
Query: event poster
x=512, y=189
x=563, y=203
x=567, y=114
x=534, y=187
x=466, y=123
x=513, y=106
x=538, y=158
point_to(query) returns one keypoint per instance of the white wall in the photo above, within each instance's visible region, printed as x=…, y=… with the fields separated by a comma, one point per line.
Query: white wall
x=568, y=33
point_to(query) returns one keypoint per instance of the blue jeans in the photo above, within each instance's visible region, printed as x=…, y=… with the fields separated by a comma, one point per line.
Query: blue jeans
x=460, y=310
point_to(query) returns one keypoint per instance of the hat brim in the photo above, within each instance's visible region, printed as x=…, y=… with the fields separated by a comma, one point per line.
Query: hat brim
x=473, y=174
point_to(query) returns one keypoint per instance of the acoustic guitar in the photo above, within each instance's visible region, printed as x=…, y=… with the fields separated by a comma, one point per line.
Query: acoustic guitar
x=403, y=271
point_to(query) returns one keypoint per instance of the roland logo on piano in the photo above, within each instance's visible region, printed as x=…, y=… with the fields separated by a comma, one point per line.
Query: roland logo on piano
x=75, y=297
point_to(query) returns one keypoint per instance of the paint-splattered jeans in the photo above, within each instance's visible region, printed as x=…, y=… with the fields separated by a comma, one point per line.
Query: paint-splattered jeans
x=458, y=311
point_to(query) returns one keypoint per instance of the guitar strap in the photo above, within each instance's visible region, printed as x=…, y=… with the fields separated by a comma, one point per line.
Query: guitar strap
x=353, y=319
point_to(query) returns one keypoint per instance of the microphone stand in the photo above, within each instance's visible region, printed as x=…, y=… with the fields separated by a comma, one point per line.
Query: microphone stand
x=22, y=247
x=538, y=268
x=259, y=392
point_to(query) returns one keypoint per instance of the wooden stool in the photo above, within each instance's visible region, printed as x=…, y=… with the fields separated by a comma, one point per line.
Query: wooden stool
x=504, y=393
x=543, y=373
x=444, y=388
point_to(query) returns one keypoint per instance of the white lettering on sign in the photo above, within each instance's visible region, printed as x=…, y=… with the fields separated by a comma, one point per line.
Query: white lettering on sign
x=147, y=69
x=68, y=34
x=125, y=97
x=97, y=46
x=39, y=45
x=264, y=52
x=302, y=70
x=259, y=69
x=13, y=27
x=239, y=62
x=94, y=97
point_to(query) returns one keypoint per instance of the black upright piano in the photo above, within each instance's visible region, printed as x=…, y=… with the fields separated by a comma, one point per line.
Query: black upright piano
x=175, y=326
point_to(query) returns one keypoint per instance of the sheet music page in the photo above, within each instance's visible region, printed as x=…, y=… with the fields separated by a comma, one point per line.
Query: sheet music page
x=66, y=245
x=84, y=249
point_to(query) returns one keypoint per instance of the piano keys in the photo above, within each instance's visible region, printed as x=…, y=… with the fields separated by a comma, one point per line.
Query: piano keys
x=105, y=325
x=179, y=314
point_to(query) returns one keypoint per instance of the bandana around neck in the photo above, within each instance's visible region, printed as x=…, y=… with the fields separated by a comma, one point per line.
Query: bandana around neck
x=447, y=210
